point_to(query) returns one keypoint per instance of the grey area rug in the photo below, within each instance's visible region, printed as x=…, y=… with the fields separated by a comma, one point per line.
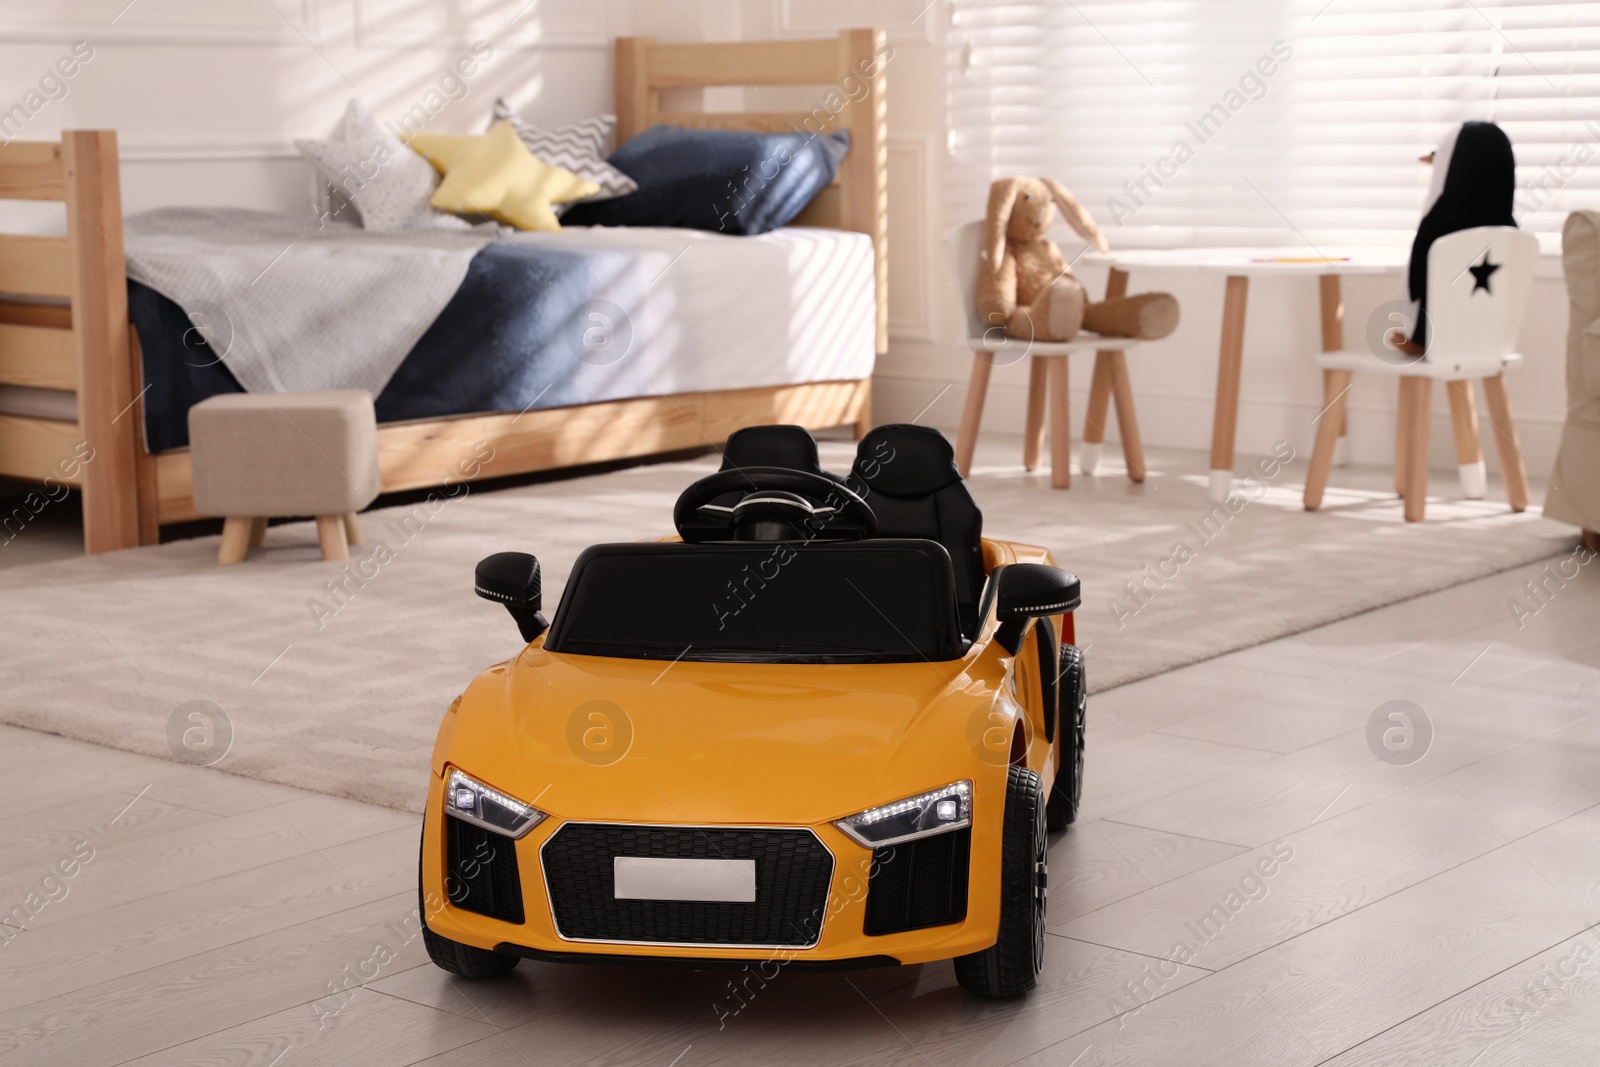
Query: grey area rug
x=337, y=683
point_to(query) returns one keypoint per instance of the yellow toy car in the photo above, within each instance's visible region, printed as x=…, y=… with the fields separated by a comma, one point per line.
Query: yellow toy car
x=827, y=726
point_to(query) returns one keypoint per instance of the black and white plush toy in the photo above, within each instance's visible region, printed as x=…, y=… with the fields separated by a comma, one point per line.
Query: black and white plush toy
x=1474, y=178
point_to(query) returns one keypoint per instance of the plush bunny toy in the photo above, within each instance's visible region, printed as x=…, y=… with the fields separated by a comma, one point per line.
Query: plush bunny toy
x=1026, y=286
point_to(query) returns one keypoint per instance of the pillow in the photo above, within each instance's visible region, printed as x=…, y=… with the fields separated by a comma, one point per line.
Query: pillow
x=579, y=147
x=495, y=175
x=369, y=169
x=729, y=181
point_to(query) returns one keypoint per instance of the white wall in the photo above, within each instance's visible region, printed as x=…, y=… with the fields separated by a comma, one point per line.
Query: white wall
x=206, y=97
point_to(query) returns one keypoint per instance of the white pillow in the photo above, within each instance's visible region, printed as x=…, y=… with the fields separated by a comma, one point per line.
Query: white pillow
x=368, y=167
x=579, y=147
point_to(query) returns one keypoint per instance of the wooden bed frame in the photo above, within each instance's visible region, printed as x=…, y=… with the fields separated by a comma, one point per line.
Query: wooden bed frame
x=64, y=306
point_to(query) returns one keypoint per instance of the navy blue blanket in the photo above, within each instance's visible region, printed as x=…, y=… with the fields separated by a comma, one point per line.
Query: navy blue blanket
x=501, y=344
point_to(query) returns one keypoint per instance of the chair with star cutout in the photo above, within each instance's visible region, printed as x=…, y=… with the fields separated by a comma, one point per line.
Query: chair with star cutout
x=1478, y=286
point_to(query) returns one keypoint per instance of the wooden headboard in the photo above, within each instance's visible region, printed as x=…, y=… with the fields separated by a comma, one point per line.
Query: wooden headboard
x=849, y=70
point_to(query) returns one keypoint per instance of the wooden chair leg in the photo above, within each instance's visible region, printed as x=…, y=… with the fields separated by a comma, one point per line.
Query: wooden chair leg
x=235, y=539
x=1469, y=453
x=1060, y=426
x=352, y=529
x=1094, y=426
x=1094, y=420
x=1341, y=449
x=258, y=531
x=1417, y=450
x=1591, y=540
x=1336, y=384
x=972, y=414
x=1033, y=432
x=1127, y=418
x=1402, y=436
x=330, y=535
x=1505, y=436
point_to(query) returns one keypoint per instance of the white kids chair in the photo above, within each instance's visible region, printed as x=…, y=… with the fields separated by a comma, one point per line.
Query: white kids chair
x=1047, y=376
x=1478, y=285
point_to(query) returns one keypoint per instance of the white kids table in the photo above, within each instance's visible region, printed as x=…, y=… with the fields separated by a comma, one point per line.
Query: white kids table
x=1238, y=266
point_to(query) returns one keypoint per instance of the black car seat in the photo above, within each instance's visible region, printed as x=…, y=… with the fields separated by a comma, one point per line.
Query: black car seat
x=792, y=447
x=909, y=476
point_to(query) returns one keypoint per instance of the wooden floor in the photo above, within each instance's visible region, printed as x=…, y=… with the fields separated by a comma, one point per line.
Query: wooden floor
x=1440, y=912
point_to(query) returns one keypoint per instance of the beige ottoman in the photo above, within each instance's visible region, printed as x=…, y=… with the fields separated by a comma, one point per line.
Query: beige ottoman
x=258, y=456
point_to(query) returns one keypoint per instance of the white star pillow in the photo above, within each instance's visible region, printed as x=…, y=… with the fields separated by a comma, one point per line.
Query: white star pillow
x=368, y=168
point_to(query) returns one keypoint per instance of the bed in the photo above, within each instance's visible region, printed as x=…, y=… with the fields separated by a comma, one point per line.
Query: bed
x=78, y=407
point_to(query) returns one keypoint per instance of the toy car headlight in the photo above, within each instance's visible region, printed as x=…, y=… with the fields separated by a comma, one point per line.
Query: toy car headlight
x=470, y=800
x=923, y=815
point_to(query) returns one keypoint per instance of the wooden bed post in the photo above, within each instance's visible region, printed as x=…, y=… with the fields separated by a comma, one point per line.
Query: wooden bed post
x=864, y=205
x=637, y=100
x=106, y=389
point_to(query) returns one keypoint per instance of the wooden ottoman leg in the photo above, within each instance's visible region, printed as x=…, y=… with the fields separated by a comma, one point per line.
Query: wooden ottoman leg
x=330, y=535
x=1505, y=437
x=235, y=539
x=258, y=531
x=1336, y=383
x=1469, y=453
x=352, y=529
x=1060, y=426
x=972, y=414
x=1417, y=450
x=1033, y=431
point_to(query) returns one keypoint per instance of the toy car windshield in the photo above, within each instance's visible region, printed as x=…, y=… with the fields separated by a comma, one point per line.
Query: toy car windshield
x=882, y=601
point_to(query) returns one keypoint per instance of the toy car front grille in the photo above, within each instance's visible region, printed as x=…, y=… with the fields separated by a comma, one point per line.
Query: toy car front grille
x=481, y=874
x=920, y=883
x=792, y=873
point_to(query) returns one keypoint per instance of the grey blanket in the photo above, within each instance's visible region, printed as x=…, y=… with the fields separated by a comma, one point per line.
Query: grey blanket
x=289, y=303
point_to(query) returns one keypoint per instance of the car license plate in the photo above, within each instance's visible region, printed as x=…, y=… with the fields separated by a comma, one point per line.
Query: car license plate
x=659, y=878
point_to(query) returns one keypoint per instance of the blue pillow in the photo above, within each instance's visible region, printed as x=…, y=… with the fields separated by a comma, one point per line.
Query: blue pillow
x=728, y=181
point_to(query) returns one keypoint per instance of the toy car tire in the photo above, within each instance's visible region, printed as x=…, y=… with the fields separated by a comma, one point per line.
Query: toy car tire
x=465, y=960
x=468, y=961
x=1010, y=967
x=1067, y=790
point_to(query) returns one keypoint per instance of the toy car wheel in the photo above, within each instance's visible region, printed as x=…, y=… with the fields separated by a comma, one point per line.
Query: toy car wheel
x=1067, y=790
x=468, y=961
x=1010, y=967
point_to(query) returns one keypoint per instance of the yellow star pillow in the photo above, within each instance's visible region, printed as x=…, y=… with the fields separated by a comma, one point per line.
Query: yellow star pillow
x=494, y=174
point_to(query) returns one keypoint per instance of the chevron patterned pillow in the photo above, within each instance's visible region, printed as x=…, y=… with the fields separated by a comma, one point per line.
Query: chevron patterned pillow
x=578, y=147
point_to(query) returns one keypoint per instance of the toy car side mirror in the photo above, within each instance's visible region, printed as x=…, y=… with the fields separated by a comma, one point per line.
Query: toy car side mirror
x=512, y=579
x=1031, y=591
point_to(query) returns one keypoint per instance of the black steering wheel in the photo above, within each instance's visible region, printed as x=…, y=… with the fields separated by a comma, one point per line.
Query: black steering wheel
x=771, y=503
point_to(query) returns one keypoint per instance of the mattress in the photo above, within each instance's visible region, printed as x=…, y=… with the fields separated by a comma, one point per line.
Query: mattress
x=587, y=315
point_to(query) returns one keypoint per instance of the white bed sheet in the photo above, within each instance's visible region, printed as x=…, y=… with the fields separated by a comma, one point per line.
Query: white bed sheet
x=708, y=311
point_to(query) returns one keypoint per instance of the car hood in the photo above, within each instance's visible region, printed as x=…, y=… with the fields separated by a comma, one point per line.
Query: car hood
x=595, y=738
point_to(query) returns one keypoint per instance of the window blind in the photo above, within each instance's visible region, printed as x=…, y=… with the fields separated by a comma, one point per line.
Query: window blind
x=1293, y=116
